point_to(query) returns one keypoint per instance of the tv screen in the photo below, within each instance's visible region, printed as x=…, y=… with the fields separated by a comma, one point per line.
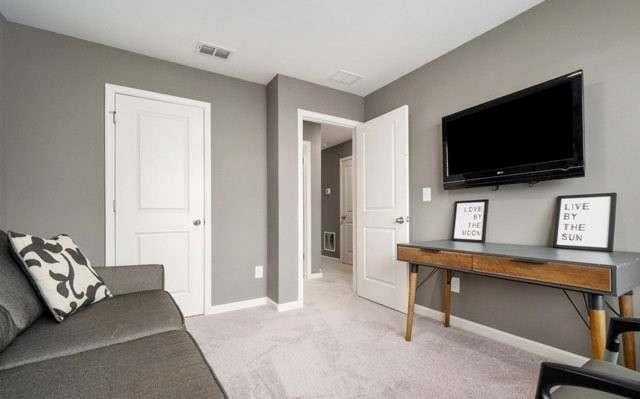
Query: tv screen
x=532, y=135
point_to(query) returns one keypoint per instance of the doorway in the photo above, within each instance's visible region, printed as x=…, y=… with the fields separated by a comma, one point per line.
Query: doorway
x=379, y=214
x=324, y=146
x=315, y=246
x=158, y=185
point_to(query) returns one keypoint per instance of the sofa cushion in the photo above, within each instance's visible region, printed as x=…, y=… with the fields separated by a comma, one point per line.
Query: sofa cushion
x=60, y=271
x=19, y=302
x=168, y=365
x=118, y=319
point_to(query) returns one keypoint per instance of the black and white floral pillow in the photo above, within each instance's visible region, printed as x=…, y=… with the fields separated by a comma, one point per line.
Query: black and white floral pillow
x=60, y=271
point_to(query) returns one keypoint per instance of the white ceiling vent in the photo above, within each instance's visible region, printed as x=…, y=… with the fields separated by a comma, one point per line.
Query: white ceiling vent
x=213, y=50
x=345, y=77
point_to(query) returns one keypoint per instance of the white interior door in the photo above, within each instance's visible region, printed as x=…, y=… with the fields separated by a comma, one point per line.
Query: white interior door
x=159, y=193
x=382, y=154
x=346, y=210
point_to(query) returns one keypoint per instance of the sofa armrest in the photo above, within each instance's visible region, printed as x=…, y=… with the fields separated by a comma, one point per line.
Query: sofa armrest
x=135, y=278
x=554, y=375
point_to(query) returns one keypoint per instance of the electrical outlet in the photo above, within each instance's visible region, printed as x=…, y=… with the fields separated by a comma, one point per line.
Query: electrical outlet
x=426, y=194
x=455, y=284
x=259, y=272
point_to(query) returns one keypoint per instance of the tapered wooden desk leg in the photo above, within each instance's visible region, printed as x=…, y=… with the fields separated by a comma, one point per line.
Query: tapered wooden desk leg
x=628, y=339
x=597, y=325
x=446, y=296
x=413, y=281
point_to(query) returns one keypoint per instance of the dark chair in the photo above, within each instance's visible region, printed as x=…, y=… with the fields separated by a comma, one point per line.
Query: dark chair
x=597, y=378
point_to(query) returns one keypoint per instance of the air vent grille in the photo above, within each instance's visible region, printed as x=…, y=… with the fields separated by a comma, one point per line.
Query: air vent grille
x=345, y=78
x=213, y=50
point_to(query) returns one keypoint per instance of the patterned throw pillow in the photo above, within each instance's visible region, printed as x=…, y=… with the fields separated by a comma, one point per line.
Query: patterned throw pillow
x=62, y=274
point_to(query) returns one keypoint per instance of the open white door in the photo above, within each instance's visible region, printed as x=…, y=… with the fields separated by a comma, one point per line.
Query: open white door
x=346, y=210
x=382, y=178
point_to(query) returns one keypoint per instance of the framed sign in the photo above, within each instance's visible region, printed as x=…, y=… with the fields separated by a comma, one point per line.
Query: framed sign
x=470, y=220
x=585, y=222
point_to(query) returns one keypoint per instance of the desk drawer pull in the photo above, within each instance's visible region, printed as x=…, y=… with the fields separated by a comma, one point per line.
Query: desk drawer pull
x=529, y=261
x=430, y=251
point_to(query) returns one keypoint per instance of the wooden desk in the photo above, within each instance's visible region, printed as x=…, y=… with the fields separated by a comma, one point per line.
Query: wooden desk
x=594, y=273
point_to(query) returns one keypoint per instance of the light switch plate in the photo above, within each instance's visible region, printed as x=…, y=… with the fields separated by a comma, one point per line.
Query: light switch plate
x=426, y=194
x=259, y=272
x=455, y=284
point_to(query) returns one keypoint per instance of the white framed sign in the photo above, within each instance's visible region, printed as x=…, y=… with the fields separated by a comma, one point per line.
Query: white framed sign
x=470, y=220
x=585, y=222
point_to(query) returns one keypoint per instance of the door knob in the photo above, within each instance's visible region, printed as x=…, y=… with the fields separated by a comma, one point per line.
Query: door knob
x=400, y=220
x=197, y=222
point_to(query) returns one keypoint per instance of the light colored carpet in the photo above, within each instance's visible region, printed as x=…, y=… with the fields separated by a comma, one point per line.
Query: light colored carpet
x=342, y=346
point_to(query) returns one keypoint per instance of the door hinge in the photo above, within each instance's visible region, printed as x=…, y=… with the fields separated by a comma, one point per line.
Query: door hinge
x=113, y=115
x=114, y=206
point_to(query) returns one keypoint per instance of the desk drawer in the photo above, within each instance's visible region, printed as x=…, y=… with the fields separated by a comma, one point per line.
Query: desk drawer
x=454, y=260
x=590, y=277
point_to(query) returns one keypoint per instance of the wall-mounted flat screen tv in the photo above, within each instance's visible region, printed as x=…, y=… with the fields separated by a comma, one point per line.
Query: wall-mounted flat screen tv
x=532, y=135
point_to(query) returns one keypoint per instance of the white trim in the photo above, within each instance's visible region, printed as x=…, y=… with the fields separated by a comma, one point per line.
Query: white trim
x=109, y=174
x=330, y=258
x=317, y=117
x=208, y=210
x=307, y=209
x=110, y=92
x=313, y=276
x=538, y=348
x=232, y=306
x=304, y=115
x=285, y=307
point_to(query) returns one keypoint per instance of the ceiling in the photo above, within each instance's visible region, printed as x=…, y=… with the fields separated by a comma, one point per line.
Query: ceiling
x=333, y=135
x=306, y=39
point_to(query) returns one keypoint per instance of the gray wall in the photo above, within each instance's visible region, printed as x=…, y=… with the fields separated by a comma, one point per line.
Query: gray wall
x=551, y=39
x=312, y=132
x=331, y=203
x=291, y=95
x=272, y=191
x=3, y=84
x=55, y=148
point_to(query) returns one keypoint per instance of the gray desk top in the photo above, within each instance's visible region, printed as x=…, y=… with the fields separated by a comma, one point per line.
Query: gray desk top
x=625, y=265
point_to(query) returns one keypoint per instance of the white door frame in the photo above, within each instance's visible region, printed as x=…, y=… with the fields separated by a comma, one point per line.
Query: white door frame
x=110, y=92
x=307, y=208
x=310, y=116
x=342, y=161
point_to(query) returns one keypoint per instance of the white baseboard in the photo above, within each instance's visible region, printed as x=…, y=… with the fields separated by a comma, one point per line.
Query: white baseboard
x=330, y=258
x=313, y=276
x=538, y=348
x=283, y=307
x=229, y=307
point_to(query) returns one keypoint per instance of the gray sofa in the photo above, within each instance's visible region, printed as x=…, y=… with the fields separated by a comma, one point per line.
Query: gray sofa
x=133, y=345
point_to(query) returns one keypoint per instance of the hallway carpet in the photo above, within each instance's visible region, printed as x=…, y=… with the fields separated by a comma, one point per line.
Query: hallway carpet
x=342, y=346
